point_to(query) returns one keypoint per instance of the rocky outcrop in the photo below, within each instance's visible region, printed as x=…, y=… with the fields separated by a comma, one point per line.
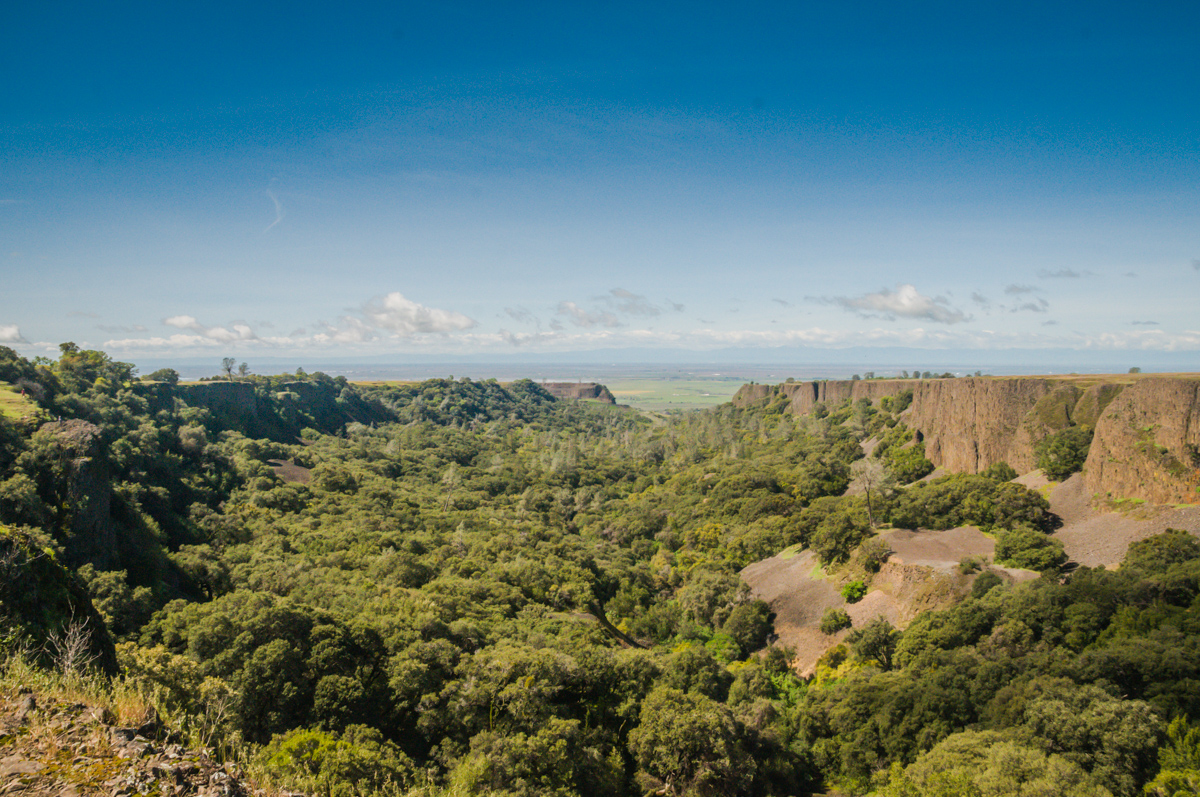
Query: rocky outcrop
x=1147, y=430
x=1147, y=443
x=93, y=533
x=580, y=390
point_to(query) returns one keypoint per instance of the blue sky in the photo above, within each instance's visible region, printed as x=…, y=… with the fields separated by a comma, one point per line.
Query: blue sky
x=296, y=180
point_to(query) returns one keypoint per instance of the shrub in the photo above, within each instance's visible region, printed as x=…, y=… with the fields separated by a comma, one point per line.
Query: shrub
x=1001, y=472
x=1029, y=548
x=834, y=620
x=854, y=591
x=984, y=584
x=1063, y=453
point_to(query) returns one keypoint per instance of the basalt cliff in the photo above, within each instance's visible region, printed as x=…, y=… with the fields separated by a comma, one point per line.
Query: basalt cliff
x=1147, y=428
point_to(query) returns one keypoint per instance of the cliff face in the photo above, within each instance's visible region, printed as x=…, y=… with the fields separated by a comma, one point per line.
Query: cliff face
x=1146, y=445
x=579, y=390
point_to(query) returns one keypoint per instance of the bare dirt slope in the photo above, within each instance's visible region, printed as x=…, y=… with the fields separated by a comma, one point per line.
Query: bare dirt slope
x=1096, y=535
x=940, y=550
x=921, y=574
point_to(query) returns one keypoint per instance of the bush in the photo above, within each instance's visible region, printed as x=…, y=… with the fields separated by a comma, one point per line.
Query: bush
x=1001, y=472
x=984, y=584
x=834, y=620
x=1029, y=548
x=962, y=500
x=854, y=591
x=1063, y=453
x=840, y=533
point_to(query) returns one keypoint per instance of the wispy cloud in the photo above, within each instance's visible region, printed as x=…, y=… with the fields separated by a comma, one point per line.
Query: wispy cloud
x=114, y=329
x=1017, y=290
x=904, y=302
x=1034, y=306
x=278, y=209
x=521, y=315
x=630, y=303
x=1064, y=273
x=1144, y=323
x=11, y=333
x=587, y=319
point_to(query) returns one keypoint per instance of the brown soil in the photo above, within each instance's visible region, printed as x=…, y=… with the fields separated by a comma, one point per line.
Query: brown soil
x=941, y=550
x=1096, y=535
x=922, y=572
x=289, y=471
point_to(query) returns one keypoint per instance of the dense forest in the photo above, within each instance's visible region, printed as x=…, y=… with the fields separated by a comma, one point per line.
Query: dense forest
x=467, y=587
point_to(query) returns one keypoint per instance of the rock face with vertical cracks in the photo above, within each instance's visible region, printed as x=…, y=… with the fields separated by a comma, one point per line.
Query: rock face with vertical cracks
x=1147, y=443
x=1147, y=431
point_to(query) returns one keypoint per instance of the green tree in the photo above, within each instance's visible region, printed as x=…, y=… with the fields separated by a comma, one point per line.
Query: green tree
x=691, y=744
x=875, y=641
x=1063, y=453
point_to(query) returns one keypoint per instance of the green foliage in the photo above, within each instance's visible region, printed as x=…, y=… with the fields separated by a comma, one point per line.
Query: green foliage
x=358, y=761
x=985, y=582
x=1157, y=554
x=974, y=764
x=842, y=530
x=1030, y=548
x=1064, y=452
x=854, y=591
x=963, y=499
x=875, y=641
x=1001, y=472
x=692, y=743
x=835, y=619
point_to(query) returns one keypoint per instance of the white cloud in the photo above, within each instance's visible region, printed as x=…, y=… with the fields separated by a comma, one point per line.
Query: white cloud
x=183, y=322
x=405, y=317
x=11, y=333
x=905, y=302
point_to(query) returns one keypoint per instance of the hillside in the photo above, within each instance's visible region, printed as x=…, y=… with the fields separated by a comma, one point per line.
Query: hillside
x=466, y=587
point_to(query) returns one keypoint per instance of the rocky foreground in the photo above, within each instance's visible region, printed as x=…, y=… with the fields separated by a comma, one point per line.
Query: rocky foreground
x=51, y=748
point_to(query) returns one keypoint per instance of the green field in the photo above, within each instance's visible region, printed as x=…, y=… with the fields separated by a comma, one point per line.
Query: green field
x=657, y=393
x=13, y=404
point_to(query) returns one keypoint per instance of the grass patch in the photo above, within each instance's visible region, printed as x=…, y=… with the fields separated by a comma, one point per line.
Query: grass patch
x=791, y=551
x=13, y=405
x=665, y=393
x=818, y=573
